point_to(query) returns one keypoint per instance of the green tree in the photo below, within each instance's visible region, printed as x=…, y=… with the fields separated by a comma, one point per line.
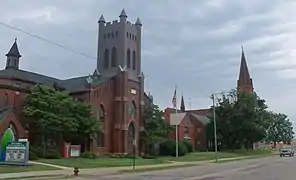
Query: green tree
x=53, y=116
x=252, y=113
x=156, y=130
x=280, y=129
x=239, y=120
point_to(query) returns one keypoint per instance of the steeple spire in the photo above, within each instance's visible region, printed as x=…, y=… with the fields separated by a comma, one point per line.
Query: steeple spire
x=182, y=104
x=244, y=82
x=13, y=56
x=14, y=52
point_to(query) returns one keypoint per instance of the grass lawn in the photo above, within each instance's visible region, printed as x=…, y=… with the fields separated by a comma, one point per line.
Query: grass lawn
x=17, y=169
x=100, y=162
x=119, y=162
x=202, y=156
x=157, y=168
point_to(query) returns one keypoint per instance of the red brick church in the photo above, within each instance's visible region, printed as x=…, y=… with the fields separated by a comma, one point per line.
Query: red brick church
x=192, y=123
x=115, y=89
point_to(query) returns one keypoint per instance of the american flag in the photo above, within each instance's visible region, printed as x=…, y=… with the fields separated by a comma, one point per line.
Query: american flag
x=174, y=100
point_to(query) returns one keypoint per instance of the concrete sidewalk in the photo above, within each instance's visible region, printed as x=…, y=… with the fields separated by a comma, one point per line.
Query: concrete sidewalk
x=102, y=171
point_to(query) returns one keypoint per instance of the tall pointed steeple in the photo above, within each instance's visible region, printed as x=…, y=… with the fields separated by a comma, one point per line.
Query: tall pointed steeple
x=13, y=56
x=182, y=104
x=244, y=82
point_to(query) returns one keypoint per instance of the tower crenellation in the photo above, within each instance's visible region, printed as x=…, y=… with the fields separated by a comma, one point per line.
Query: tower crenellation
x=119, y=43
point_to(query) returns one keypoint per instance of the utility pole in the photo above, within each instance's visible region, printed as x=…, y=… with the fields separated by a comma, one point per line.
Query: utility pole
x=213, y=97
x=290, y=133
x=189, y=104
x=215, y=128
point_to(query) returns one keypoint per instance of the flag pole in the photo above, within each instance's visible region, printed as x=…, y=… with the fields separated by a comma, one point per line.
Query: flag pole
x=177, y=139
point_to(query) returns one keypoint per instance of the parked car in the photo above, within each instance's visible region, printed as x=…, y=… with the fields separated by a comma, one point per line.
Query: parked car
x=287, y=150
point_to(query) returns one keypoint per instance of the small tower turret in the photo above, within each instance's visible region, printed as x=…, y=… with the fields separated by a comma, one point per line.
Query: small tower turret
x=123, y=16
x=13, y=56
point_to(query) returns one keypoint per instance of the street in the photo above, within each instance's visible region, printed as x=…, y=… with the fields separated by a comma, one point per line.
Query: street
x=270, y=168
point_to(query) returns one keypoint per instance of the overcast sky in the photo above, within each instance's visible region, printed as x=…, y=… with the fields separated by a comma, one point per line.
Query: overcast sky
x=195, y=44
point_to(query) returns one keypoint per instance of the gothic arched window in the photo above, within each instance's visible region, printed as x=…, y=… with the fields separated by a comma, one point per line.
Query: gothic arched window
x=128, y=58
x=101, y=135
x=106, y=58
x=134, y=60
x=114, y=57
x=132, y=110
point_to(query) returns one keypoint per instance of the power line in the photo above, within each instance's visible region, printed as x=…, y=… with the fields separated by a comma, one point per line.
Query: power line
x=46, y=40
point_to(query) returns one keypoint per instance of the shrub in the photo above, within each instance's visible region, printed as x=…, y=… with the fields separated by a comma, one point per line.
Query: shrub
x=122, y=155
x=118, y=155
x=53, y=154
x=32, y=155
x=188, y=144
x=182, y=149
x=149, y=157
x=168, y=148
x=38, y=151
x=89, y=155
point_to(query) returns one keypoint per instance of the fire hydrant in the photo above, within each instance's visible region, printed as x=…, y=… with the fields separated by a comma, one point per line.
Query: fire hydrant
x=76, y=171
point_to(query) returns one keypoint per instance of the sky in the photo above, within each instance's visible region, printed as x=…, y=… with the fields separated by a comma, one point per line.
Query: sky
x=194, y=44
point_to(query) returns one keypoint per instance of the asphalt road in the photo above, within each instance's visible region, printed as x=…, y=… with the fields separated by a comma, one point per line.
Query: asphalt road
x=270, y=168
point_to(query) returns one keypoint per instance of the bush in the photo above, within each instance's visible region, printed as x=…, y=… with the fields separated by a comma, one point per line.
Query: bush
x=168, y=148
x=33, y=155
x=38, y=151
x=182, y=149
x=53, y=154
x=122, y=155
x=148, y=157
x=89, y=155
x=188, y=144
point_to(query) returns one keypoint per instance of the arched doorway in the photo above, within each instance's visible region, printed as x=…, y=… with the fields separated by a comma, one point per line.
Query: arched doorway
x=130, y=138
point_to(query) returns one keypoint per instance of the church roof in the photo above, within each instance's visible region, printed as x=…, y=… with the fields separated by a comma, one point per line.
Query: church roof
x=71, y=85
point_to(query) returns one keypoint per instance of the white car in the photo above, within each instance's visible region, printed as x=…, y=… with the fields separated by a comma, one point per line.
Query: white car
x=287, y=150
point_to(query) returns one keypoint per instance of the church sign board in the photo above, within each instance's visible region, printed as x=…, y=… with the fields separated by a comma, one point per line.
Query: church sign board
x=17, y=153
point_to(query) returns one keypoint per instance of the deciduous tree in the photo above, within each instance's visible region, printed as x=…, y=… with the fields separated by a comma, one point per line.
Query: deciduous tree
x=156, y=130
x=280, y=129
x=53, y=116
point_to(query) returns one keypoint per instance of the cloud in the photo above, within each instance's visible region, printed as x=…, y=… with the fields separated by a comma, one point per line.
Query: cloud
x=194, y=44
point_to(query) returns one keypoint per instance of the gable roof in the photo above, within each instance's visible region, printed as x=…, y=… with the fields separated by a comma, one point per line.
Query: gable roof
x=203, y=119
x=176, y=118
